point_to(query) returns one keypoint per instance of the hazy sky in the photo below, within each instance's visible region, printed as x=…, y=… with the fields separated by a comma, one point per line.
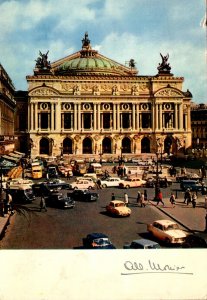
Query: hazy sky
x=118, y=29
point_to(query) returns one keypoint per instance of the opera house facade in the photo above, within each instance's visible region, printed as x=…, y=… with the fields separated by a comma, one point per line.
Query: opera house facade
x=89, y=105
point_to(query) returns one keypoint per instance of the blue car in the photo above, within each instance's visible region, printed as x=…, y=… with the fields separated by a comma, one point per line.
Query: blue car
x=97, y=241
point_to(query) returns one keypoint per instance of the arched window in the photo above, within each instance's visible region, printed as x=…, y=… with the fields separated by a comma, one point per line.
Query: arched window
x=167, y=145
x=145, y=145
x=87, y=146
x=126, y=145
x=67, y=146
x=44, y=146
x=106, y=145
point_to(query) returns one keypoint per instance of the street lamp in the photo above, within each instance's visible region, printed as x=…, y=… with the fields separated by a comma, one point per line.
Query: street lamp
x=121, y=159
x=157, y=175
x=100, y=153
x=61, y=150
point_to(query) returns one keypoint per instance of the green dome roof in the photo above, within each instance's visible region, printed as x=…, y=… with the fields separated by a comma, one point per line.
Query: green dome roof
x=89, y=62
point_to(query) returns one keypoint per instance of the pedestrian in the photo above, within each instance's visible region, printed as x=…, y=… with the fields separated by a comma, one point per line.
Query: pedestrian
x=159, y=197
x=68, y=175
x=98, y=184
x=138, y=197
x=142, y=200
x=145, y=196
x=126, y=199
x=172, y=199
x=43, y=204
x=194, y=199
x=187, y=196
x=113, y=197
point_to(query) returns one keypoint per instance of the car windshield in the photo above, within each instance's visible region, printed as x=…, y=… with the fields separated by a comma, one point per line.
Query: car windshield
x=171, y=226
x=119, y=204
x=101, y=242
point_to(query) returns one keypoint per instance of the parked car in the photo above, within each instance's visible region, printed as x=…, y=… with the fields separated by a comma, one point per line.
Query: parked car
x=57, y=199
x=132, y=182
x=83, y=195
x=110, y=182
x=118, y=208
x=167, y=231
x=196, y=240
x=193, y=185
x=142, y=244
x=97, y=241
x=82, y=184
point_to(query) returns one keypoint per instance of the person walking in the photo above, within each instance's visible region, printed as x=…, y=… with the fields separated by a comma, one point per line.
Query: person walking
x=145, y=196
x=126, y=199
x=159, y=197
x=138, y=197
x=113, y=197
x=142, y=200
x=187, y=197
x=172, y=199
x=43, y=204
x=194, y=199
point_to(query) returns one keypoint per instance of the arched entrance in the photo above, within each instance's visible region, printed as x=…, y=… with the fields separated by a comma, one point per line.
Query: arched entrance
x=44, y=146
x=67, y=146
x=145, y=145
x=126, y=145
x=167, y=145
x=87, y=146
x=106, y=145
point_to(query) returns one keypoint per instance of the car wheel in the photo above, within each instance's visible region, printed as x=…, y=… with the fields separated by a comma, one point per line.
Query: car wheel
x=167, y=241
x=127, y=186
x=104, y=186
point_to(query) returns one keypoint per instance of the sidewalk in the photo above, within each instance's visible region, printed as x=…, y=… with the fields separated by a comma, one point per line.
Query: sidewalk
x=4, y=221
x=192, y=219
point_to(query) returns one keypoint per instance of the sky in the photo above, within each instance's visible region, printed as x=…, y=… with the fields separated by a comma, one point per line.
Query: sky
x=118, y=29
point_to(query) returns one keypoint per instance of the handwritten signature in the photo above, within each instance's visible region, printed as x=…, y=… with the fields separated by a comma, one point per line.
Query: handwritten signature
x=133, y=268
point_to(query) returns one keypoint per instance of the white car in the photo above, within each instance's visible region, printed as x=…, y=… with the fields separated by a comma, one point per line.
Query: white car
x=167, y=231
x=82, y=184
x=132, y=182
x=110, y=182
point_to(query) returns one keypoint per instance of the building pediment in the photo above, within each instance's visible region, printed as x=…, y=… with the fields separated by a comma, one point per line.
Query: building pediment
x=43, y=91
x=168, y=92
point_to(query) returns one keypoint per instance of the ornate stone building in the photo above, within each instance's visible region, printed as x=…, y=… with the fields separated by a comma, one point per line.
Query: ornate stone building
x=87, y=104
x=7, y=108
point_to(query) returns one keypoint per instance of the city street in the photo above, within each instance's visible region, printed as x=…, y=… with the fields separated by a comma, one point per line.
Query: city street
x=64, y=229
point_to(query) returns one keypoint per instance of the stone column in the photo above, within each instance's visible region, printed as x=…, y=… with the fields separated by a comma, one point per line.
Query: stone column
x=161, y=123
x=94, y=117
x=114, y=117
x=176, y=116
x=36, y=116
x=99, y=117
x=118, y=117
x=75, y=117
x=153, y=117
x=52, y=116
x=58, y=117
x=32, y=115
x=133, y=116
x=181, y=117
x=188, y=127
x=156, y=118
x=79, y=117
x=137, y=125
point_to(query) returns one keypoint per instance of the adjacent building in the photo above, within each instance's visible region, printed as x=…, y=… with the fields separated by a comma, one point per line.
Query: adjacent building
x=7, y=108
x=88, y=104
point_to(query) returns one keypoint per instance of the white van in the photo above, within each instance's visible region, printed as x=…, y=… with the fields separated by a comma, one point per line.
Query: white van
x=134, y=170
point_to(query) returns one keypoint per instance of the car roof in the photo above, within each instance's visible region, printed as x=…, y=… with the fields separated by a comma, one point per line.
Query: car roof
x=116, y=201
x=144, y=242
x=165, y=222
x=97, y=235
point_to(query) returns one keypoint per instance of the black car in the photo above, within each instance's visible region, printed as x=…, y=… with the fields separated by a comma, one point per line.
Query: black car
x=162, y=182
x=196, y=240
x=56, y=184
x=83, y=195
x=97, y=241
x=57, y=199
